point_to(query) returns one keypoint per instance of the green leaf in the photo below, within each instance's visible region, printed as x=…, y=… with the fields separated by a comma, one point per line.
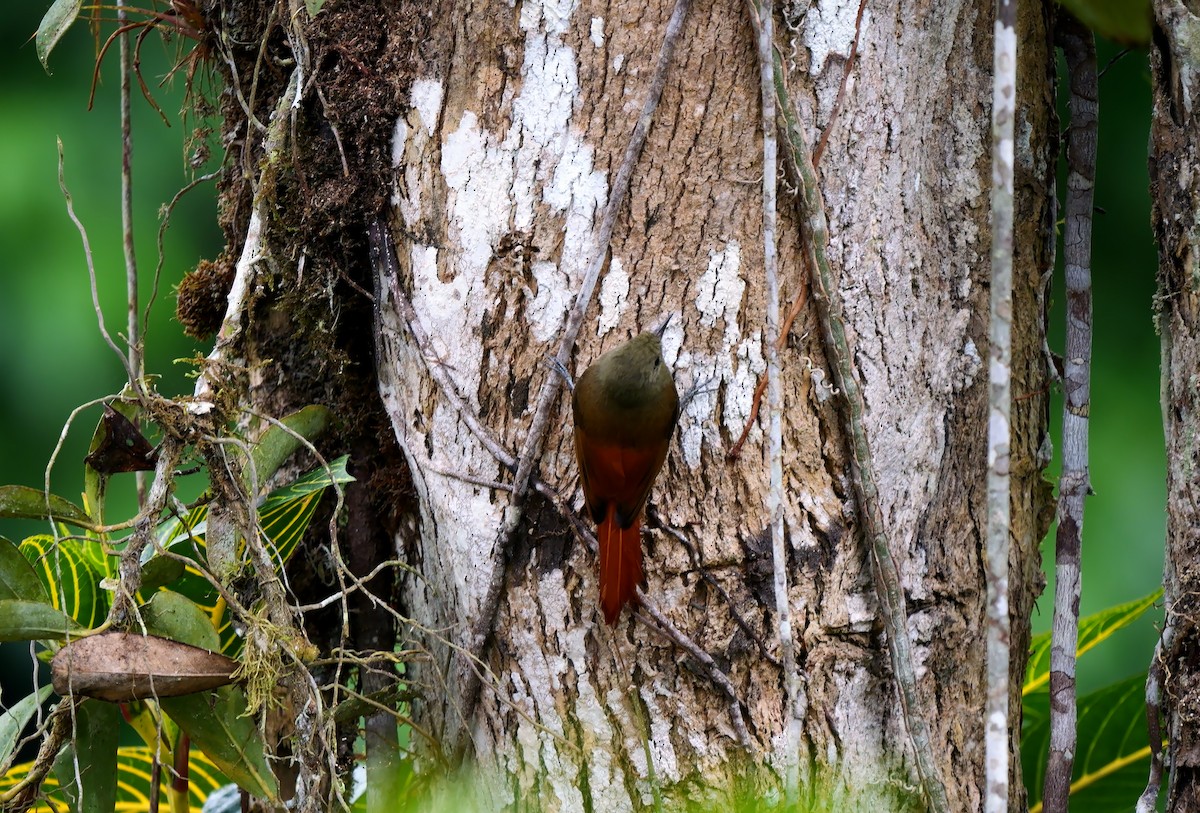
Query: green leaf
x=54, y=24
x=94, y=788
x=286, y=512
x=1093, y=629
x=276, y=445
x=217, y=723
x=284, y=516
x=1113, y=756
x=158, y=572
x=66, y=570
x=177, y=617
x=17, y=579
x=23, y=502
x=314, y=7
x=14, y=720
x=32, y=621
x=134, y=769
x=1125, y=21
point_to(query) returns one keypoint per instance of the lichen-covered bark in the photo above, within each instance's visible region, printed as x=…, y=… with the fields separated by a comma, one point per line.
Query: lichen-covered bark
x=1175, y=193
x=503, y=159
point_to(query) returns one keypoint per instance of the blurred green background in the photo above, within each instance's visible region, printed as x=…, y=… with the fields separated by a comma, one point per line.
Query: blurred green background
x=53, y=358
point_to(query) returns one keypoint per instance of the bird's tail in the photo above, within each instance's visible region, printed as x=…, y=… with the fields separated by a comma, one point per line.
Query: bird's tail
x=620, y=563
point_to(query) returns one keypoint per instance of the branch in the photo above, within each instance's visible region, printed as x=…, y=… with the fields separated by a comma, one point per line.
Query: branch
x=254, y=248
x=1004, y=95
x=852, y=411
x=761, y=14
x=1079, y=48
x=133, y=337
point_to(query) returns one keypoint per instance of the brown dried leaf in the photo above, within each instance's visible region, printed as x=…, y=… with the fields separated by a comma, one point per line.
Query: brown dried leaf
x=121, y=666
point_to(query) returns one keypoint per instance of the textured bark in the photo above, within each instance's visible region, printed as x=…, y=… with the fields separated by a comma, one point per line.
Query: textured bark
x=504, y=126
x=504, y=161
x=1175, y=193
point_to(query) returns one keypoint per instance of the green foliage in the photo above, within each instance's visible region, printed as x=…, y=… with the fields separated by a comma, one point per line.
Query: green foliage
x=23, y=502
x=56, y=22
x=51, y=587
x=1093, y=630
x=70, y=576
x=1113, y=757
x=133, y=781
x=87, y=767
x=1124, y=21
x=217, y=722
x=14, y=720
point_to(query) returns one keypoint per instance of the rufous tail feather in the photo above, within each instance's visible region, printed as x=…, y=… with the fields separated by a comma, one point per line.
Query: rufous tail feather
x=620, y=564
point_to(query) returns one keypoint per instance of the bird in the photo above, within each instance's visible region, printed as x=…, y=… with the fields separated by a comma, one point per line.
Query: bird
x=625, y=407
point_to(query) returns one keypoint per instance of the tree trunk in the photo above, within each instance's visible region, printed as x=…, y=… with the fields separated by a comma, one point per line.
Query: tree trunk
x=1175, y=193
x=497, y=131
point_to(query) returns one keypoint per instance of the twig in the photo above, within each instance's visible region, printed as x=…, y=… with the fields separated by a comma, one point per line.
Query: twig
x=21, y=795
x=798, y=304
x=1148, y=801
x=761, y=13
x=1004, y=95
x=704, y=659
x=167, y=211
x=702, y=570
x=837, y=103
x=387, y=279
x=853, y=409
x=91, y=266
x=133, y=337
x=1079, y=48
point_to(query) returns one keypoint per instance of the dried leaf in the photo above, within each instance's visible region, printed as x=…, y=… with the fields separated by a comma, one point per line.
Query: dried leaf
x=122, y=666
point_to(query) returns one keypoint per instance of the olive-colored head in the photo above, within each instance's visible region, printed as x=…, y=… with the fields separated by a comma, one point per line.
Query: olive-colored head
x=633, y=373
x=628, y=393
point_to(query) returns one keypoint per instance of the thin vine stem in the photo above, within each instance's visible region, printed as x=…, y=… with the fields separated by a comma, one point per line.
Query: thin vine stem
x=852, y=411
x=1079, y=48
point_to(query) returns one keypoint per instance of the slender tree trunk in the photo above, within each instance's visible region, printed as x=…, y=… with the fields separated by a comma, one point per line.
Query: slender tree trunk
x=488, y=136
x=1175, y=192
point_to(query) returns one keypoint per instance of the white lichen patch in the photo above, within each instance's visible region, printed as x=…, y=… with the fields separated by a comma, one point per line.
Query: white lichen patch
x=614, y=297
x=543, y=671
x=735, y=374
x=829, y=29
x=720, y=289
x=426, y=98
x=547, y=308
x=597, y=31
x=748, y=364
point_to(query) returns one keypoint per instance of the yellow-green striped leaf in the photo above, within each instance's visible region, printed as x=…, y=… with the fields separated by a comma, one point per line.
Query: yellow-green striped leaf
x=1112, y=759
x=134, y=771
x=17, y=579
x=1092, y=630
x=69, y=577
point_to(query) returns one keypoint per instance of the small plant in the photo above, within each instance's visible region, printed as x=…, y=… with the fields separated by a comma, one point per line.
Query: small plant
x=177, y=677
x=1114, y=756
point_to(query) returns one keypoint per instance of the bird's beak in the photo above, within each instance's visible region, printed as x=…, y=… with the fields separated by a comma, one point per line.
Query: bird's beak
x=661, y=329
